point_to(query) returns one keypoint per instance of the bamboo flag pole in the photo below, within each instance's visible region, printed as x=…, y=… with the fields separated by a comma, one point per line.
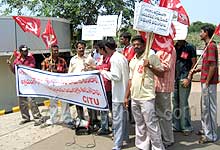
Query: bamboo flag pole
x=51, y=53
x=202, y=53
x=12, y=55
x=150, y=37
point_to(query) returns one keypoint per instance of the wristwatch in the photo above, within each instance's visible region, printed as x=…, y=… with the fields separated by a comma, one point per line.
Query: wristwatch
x=150, y=66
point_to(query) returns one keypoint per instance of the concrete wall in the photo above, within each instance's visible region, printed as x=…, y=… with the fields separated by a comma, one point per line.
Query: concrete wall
x=7, y=87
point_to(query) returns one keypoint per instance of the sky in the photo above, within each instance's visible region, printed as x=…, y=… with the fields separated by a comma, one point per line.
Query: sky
x=202, y=10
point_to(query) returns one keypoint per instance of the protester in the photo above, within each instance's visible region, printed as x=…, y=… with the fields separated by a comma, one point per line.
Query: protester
x=27, y=59
x=186, y=59
x=79, y=63
x=104, y=130
x=128, y=52
x=209, y=80
x=142, y=90
x=56, y=64
x=95, y=54
x=118, y=74
x=164, y=87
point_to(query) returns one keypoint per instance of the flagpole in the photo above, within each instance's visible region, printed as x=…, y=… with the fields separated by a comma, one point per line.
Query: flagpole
x=12, y=55
x=51, y=53
x=202, y=53
x=149, y=42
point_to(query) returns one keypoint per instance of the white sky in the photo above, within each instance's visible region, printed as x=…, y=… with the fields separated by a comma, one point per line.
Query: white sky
x=203, y=10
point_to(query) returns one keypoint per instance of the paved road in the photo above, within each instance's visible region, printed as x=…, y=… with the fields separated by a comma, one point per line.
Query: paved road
x=29, y=137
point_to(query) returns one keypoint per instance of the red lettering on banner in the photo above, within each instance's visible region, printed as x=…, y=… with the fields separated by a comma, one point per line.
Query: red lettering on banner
x=29, y=82
x=21, y=72
x=90, y=100
x=75, y=90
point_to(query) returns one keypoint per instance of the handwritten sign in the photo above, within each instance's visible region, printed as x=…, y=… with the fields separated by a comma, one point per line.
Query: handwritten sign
x=153, y=19
x=107, y=25
x=84, y=89
x=89, y=32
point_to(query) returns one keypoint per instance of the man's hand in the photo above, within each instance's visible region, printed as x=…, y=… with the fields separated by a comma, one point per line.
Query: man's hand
x=126, y=102
x=146, y=63
x=91, y=67
x=8, y=61
x=185, y=82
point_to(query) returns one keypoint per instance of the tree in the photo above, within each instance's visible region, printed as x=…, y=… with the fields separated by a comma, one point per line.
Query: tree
x=77, y=11
x=193, y=34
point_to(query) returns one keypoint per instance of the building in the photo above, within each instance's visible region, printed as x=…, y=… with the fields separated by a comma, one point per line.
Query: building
x=11, y=37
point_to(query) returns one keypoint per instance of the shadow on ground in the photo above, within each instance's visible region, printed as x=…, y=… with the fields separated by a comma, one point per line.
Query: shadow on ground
x=191, y=142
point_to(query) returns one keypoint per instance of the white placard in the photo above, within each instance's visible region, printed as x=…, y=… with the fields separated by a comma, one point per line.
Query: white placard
x=153, y=19
x=181, y=30
x=119, y=21
x=84, y=89
x=89, y=32
x=107, y=25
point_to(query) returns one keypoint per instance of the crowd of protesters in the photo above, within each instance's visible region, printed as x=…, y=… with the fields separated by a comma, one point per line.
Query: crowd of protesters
x=139, y=85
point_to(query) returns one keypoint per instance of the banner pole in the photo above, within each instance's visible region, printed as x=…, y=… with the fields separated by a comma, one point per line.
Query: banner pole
x=202, y=53
x=149, y=42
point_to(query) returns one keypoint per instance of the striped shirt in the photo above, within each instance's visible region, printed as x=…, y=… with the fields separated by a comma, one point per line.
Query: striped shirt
x=27, y=61
x=59, y=65
x=168, y=61
x=210, y=55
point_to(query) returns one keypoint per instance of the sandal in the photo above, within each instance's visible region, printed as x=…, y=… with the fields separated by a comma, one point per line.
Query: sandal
x=204, y=140
x=24, y=121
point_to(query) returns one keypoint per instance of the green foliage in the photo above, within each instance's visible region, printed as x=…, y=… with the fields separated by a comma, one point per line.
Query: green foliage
x=78, y=12
x=193, y=34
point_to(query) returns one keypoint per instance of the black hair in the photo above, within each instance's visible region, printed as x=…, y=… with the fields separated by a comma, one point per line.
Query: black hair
x=23, y=46
x=208, y=28
x=138, y=38
x=80, y=42
x=126, y=35
x=111, y=44
x=101, y=45
x=54, y=46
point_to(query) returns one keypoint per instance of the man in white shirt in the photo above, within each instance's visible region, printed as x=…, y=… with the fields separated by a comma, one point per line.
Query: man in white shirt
x=118, y=74
x=78, y=63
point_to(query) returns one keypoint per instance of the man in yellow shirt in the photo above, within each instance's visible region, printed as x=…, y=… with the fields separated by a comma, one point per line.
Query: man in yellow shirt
x=142, y=90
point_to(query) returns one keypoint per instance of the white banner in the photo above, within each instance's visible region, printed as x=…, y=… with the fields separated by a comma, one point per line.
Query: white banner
x=152, y=19
x=89, y=32
x=85, y=89
x=107, y=25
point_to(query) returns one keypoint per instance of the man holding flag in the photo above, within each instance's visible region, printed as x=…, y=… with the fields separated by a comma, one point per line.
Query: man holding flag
x=209, y=80
x=26, y=59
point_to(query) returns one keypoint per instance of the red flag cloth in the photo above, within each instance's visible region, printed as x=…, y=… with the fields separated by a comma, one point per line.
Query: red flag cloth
x=217, y=30
x=49, y=36
x=178, y=7
x=164, y=43
x=29, y=24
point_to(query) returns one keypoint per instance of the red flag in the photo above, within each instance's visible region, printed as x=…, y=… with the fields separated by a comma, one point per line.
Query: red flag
x=178, y=7
x=49, y=36
x=164, y=43
x=29, y=24
x=217, y=30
